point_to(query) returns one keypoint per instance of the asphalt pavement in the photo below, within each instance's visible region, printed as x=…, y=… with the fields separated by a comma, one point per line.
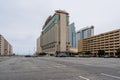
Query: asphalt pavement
x=52, y=68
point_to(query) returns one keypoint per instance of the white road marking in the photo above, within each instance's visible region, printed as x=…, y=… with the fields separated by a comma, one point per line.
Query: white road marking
x=45, y=67
x=58, y=66
x=84, y=78
x=117, y=77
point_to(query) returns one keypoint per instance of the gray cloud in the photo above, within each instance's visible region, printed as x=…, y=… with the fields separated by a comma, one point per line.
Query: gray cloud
x=21, y=20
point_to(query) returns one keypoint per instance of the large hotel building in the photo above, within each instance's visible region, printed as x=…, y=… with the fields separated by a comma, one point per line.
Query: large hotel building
x=108, y=42
x=55, y=32
x=5, y=47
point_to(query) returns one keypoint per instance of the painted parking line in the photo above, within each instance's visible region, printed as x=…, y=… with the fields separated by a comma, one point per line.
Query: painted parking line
x=84, y=78
x=45, y=67
x=112, y=76
x=60, y=66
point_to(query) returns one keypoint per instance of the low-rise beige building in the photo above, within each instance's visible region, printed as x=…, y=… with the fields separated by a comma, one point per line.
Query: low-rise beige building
x=54, y=36
x=5, y=47
x=109, y=42
x=73, y=50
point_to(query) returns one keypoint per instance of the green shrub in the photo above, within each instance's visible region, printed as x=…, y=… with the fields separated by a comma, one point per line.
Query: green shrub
x=42, y=54
x=118, y=52
x=101, y=53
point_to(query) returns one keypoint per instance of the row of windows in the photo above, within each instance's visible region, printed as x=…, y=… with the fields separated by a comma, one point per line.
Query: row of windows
x=47, y=47
x=104, y=36
x=50, y=45
x=102, y=41
x=106, y=47
x=54, y=19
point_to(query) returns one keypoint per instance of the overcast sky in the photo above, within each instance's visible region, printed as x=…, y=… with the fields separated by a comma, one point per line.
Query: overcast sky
x=21, y=21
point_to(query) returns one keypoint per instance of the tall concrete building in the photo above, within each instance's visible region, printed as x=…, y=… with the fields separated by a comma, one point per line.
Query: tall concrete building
x=55, y=32
x=5, y=47
x=84, y=33
x=109, y=42
x=72, y=35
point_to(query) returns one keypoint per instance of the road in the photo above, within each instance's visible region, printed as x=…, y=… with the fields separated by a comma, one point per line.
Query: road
x=52, y=68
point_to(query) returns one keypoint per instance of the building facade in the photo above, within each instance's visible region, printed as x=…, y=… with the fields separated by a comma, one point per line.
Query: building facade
x=5, y=47
x=55, y=32
x=84, y=33
x=108, y=42
x=38, y=49
x=72, y=35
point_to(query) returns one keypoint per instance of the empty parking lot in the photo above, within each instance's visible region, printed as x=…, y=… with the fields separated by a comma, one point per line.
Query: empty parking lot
x=52, y=68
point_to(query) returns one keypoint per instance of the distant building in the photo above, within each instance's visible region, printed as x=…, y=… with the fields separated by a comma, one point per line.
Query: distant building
x=109, y=42
x=5, y=47
x=84, y=33
x=38, y=49
x=72, y=35
x=55, y=33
